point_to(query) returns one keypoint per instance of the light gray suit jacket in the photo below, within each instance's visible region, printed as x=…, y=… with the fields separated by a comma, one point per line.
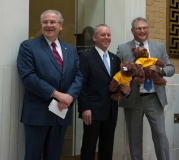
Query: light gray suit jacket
x=157, y=50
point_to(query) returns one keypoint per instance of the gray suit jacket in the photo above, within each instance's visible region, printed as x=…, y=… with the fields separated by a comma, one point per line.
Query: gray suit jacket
x=157, y=50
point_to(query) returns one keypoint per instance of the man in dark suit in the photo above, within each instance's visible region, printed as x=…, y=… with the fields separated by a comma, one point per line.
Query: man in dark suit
x=96, y=108
x=48, y=71
x=148, y=99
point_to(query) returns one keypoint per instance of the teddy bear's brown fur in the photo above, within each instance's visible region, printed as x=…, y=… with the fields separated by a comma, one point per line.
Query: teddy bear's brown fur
x=128, y=69
x=142, y=58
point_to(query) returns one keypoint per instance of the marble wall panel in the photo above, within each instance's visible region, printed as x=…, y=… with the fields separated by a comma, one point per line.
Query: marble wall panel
x=13, y=30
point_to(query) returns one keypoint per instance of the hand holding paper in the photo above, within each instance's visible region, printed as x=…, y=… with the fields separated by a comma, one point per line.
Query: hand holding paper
x=53, y=107
x=62, y=105
x=63, y=97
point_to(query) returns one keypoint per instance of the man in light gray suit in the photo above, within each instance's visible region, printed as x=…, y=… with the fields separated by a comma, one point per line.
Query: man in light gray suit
x=140, y=101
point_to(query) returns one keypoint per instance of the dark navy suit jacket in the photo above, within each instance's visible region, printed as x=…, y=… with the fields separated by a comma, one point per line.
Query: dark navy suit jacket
x=41, y=75
x=95, y=94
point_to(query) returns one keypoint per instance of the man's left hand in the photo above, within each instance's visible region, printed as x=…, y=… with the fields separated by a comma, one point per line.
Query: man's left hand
x=62, y=105
x=154, y=68
x=125, y=89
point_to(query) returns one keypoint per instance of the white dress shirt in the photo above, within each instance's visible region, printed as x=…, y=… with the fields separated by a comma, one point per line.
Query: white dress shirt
x=101, y=55
x=58, y=46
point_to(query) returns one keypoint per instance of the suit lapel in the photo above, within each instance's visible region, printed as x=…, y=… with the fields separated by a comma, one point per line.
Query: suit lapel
x=132, y=45
x=65, y=56
x=111, y=63
x=99, y=60
x=151, y=49
x=48, y=51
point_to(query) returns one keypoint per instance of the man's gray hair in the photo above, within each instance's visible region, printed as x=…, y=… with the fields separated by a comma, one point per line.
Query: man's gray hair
x=137, y=20
x=96, y=28
x=60, y=18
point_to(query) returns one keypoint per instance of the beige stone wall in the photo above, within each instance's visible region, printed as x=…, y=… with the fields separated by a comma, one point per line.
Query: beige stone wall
x=156, y=17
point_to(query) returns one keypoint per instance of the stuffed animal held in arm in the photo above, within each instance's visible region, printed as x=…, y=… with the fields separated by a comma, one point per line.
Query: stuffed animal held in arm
x=142, y=58
x=128, y=69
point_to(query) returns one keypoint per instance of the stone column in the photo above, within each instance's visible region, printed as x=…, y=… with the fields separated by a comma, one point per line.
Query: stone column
x=13, y=30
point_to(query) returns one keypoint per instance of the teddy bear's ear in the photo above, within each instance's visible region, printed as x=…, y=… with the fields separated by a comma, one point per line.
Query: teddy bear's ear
x=135, y=53
x=133, y=50
x=143, y=52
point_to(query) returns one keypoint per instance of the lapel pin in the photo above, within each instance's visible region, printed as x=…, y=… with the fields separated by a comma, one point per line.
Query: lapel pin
x=65, y=48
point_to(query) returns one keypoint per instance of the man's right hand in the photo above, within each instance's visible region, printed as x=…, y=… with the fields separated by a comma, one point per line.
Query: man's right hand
x=63, y=97
x=86, y=116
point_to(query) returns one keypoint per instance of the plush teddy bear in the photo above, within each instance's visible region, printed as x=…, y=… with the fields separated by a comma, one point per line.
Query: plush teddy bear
x=124, y=76
x=142, y=58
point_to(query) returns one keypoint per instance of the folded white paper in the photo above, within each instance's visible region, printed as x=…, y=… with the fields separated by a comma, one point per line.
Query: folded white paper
x=53, y=107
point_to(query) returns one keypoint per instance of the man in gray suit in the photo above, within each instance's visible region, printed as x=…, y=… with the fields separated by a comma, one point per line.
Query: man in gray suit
x=140, y=101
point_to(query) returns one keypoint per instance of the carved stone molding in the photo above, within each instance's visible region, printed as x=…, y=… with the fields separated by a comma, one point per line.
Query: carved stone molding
x=173, y=28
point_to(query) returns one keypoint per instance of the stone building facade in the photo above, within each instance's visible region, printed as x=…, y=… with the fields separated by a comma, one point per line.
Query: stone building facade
x=156, y=11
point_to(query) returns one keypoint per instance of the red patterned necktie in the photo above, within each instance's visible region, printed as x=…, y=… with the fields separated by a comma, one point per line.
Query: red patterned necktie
x=57, y=56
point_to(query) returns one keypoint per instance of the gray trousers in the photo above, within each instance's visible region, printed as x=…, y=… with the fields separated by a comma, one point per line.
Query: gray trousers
x=152, y=108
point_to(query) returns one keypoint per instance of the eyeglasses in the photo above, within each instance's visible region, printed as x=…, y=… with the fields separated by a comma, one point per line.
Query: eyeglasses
x=52, y=23
x=141, y=28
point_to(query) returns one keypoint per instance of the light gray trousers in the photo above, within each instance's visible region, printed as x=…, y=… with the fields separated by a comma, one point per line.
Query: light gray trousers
x=152, y=108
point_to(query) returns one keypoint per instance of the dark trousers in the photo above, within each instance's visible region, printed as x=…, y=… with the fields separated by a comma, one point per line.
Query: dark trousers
x=104, y=130
x=46, y=139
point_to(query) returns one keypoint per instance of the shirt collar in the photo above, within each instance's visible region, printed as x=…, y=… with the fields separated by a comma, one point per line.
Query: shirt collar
x=145, y=43
x=101, y=52
x=56, y=42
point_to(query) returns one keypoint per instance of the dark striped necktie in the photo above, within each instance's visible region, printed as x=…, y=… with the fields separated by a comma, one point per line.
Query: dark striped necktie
x=141, y=44
x=57, y=56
